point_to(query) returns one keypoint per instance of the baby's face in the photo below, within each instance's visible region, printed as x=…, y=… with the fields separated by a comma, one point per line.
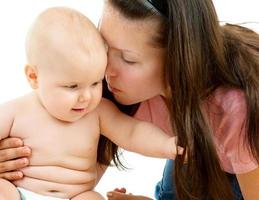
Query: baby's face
x=71, y=84
x=69, y=58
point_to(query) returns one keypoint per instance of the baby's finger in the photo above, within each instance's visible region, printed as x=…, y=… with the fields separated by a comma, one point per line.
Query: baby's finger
x=180, y=150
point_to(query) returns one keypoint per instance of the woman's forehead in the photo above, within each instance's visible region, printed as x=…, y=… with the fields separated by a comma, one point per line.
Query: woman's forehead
x=110, y=11
x=117, y=30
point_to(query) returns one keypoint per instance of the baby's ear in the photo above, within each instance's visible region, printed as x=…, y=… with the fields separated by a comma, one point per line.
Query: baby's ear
x=32, y=76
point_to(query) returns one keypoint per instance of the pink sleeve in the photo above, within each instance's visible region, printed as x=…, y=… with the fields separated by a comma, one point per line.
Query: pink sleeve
x=155, y=111
x=230, y=132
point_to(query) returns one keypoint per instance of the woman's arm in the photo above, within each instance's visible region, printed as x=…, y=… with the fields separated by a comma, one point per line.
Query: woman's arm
x=249, y=184
x=13, y=156
x=12, y=152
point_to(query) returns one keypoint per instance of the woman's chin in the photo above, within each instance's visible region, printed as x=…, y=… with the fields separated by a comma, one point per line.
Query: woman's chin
x=124, y=100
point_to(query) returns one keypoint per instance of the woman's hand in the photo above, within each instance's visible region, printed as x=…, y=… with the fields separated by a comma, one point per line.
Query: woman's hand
x=13, y=156
x=120, y=194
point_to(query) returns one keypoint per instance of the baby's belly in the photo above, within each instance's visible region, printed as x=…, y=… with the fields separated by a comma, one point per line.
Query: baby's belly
x=57, y=181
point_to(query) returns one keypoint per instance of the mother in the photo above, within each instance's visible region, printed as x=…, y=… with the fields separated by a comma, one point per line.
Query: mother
x=174, y=58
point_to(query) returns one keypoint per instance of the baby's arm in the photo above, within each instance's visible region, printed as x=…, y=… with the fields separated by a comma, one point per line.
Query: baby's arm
x=6, y=119
x=134, y=135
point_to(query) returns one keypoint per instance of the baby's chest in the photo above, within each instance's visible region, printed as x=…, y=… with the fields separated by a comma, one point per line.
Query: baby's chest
x=51, y=137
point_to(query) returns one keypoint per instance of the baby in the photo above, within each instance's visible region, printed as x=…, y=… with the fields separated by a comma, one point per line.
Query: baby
x=63, y=117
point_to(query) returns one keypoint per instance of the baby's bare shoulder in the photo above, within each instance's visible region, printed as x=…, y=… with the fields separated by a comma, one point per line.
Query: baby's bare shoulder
x=19, y=101
x=106, y=106
x=23, y=106
x=10, y=105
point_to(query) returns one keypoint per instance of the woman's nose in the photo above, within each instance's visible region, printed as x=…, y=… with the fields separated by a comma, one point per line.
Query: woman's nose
x=110, y=70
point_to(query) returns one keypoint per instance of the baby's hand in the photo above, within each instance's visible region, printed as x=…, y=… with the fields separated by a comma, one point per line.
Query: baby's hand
x=173, y=148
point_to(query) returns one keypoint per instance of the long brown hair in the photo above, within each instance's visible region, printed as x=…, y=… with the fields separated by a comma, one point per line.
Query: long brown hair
x=201, y=56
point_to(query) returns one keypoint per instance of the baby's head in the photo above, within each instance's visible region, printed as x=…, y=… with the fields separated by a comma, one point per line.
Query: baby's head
x=66, y=63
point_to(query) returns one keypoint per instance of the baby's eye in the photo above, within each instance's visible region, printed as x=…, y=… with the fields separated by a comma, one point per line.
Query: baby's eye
x=74, y=86
x=96, y=83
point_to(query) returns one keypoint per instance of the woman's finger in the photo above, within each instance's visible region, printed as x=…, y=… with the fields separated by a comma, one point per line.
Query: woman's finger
x=10, y=143
x=13, y=153
x=12, y=165
x=119, y=196
x=12, y=176
x=122, y=190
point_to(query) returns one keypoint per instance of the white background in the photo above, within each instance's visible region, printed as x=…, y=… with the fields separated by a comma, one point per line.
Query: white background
x=15, y=19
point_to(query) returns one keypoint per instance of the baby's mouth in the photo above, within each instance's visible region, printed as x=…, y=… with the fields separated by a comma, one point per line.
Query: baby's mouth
x=78, y=109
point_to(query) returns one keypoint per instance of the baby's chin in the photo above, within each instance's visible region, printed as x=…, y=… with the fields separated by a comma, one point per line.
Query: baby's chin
x=68, y=119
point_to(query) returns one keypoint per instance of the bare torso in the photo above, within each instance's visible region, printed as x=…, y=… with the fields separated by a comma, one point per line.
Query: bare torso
x=63, y=161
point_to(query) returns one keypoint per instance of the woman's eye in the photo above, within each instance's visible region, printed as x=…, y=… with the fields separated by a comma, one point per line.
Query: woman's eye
x=128, y=61
x=72, y=86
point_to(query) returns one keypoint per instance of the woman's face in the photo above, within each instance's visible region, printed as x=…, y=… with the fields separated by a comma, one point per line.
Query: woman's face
x=135, y=66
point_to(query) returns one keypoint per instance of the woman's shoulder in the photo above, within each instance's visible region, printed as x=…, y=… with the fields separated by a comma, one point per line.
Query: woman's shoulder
x=227, y=100
x=228, y=116
x=154, y=110
x=150, y=106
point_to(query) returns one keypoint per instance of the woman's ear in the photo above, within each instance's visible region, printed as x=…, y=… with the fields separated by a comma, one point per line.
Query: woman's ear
x=31, y=75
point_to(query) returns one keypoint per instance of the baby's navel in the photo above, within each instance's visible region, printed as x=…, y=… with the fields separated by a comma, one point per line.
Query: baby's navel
x=53, y=191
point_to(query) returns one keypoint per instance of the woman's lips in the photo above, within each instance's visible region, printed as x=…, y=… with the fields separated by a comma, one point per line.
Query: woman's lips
x=112, y=89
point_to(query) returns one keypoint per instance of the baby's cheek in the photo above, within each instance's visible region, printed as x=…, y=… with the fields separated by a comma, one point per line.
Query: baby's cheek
x=67, y=100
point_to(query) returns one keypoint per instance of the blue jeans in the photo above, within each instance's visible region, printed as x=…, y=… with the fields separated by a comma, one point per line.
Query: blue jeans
x=165, y=189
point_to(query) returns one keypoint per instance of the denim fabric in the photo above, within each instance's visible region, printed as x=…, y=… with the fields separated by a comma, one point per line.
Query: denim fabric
x=165, y=189
x=235, y=186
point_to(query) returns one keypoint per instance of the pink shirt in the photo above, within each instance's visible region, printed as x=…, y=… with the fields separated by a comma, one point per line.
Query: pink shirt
x=227, y=114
